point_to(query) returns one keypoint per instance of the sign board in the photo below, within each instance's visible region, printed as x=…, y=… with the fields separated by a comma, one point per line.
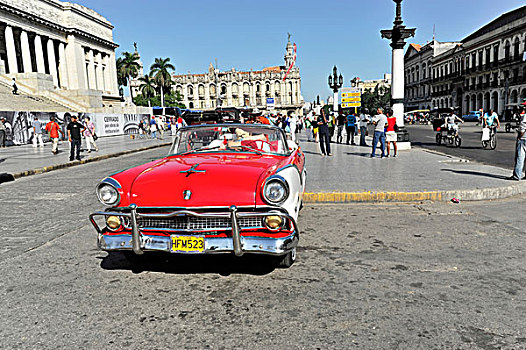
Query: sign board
x=351, y=97
x=270, y=103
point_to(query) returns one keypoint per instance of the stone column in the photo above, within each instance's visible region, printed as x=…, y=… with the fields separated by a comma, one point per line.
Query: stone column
x=107, y=74
x=397, y=85
x=92, y=82
x=76, y=64
x=62, y=66
x=39, y=52
x=113, y=87
x=98, y=72
x=26, y=53
x=52, y=62
x=10, y=48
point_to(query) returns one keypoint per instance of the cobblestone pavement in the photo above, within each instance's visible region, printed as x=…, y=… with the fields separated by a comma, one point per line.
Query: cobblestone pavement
x=384, y=276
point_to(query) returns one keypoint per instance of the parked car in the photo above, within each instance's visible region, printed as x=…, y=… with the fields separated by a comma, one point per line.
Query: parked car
x=223, y=188
x=473, y=116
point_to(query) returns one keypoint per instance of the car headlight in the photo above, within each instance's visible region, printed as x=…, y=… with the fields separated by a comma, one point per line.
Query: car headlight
x=113, y=222
x=276, y=190
x=108, y=195
x=274, y=222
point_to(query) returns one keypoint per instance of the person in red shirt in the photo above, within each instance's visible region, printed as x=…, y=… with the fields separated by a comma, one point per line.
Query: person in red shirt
x=53, y=129
x=390, y=135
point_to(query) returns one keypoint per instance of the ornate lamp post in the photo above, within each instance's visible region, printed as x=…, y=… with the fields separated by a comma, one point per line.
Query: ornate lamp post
x=397, y=35
x=335, y=83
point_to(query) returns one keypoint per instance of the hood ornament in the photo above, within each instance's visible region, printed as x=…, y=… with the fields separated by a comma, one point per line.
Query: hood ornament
x=192, y=170
x=187, y=194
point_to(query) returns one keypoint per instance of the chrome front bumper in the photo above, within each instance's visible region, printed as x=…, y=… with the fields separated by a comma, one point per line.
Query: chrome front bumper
x=139, y=241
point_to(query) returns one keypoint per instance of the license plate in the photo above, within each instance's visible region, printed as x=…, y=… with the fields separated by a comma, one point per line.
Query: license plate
x=187, y=244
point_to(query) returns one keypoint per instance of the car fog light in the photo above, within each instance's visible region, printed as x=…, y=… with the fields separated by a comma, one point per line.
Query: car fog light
x=113, y=222
x=273, y=222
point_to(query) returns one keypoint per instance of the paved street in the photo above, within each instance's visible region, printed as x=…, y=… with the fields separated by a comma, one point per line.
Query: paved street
x=503, y=156
x=385, y=276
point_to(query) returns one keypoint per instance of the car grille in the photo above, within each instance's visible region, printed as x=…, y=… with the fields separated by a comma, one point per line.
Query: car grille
x=193, y=223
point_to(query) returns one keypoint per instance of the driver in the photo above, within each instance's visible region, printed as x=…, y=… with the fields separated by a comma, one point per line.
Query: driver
x=243, y=136
x=451, y=122
x=491, y=120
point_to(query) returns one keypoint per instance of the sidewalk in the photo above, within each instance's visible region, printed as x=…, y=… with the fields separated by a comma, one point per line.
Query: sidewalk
x=25, y=160
x=351, y=175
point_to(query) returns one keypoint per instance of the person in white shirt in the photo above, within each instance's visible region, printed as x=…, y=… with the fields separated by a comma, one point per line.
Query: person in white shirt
x=364, y=120
x=293, y=121
x=379, y=122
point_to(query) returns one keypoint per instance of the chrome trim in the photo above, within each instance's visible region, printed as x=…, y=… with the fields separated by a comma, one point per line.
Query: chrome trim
x=281, y=179
x=139, y=241
x=236, y=238
x=136, y=235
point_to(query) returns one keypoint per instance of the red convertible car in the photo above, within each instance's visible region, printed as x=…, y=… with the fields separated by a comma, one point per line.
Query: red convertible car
x=223, y=188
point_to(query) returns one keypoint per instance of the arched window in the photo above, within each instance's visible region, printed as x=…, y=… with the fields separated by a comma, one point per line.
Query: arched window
x=424, y=71
x=496, y=53
x=201, y=89
x=223, y=89
x=234, y=88
x=277, y=87
x=516, y=50
x=246, y=88
x=507, y=51
x=190, y=90
x=212, y=89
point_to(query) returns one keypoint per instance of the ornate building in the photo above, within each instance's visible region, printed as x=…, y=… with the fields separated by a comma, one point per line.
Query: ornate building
x=486, y=70
x=252, y=89
x=59, y=50
x=372, y=85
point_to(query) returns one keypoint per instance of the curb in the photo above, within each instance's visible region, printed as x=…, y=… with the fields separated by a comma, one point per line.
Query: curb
x=84, y=161
x=437, y=196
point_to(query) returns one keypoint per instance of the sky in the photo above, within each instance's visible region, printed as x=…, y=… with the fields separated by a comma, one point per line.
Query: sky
x=252, y=34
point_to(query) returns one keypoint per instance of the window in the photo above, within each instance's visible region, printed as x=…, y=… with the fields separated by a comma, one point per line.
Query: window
x=507, y=51
x=516, y=51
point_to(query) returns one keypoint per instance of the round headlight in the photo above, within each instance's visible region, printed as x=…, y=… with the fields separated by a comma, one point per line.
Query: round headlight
x=108, y=195
x=113, y=222
x=274, y=222
x=276, y=191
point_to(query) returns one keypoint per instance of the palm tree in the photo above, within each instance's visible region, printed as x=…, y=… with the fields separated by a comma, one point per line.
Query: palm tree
x=160, y=71
x=147, y=87
x=129, y=68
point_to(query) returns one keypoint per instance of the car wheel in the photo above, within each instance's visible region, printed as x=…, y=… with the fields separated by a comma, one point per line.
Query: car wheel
x=438, y=139
x=288, y=259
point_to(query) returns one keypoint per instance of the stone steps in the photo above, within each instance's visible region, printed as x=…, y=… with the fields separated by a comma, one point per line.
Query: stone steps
x=26, y=102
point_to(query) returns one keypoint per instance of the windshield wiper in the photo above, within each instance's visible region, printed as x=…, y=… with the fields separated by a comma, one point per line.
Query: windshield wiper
x=199, y=149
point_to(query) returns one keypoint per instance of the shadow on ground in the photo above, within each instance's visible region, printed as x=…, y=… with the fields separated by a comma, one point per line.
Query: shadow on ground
x=189, y=264
x=476, y=173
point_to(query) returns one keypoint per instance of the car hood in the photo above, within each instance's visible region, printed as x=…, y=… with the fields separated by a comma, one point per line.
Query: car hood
x=212, y=179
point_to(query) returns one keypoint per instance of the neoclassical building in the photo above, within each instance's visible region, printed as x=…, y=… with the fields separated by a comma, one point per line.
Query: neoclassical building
x=487, y=69
x=60, y=50
x=252, y=89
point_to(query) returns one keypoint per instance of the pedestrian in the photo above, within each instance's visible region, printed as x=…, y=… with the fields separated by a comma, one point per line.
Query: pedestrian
x=3, y=132
x=53, y=129
x=365, y=118
x=323, y=125
x=379, y=122
x=153, y=127
x=340, y=121
x=160, y=126
x=390, y=135
x=308, y=128
x=37, y=132
x=332, y=125
x=315, y=128
x=293, y=121
x=141, y=129
x=75, y=129
x=350, y=127
x=89, y=134
x=15, y=87
x=520, y=153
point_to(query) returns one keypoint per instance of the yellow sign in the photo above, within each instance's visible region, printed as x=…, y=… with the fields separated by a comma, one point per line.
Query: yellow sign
x=351, y=99
x=351, y=94
x=351, y=104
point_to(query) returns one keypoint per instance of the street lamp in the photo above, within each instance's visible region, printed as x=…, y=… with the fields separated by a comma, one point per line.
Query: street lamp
x=335, y=83
x=397, y=35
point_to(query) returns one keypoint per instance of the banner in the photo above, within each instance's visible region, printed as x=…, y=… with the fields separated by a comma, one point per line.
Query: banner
x=20, y=129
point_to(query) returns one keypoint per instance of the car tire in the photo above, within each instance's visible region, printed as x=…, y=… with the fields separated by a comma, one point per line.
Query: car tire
x=288, y=259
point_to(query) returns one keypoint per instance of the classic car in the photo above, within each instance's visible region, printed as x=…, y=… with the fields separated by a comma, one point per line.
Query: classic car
x=223, y=188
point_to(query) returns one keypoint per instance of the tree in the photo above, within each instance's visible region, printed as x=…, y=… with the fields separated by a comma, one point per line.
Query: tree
x=128, y=67
x=147, y=87
x=161, y=72
x=380, y=97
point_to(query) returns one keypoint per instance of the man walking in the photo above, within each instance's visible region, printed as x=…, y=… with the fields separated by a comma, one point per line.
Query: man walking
x=364, y=120
x=3, y=132
x=15, y=87
x=323, y=126
x=379, y=122
x=53, y=129
x=153, y=127
x=37, y=132
x=74, y=131
x=89, y=134
x=341, y=124
x=520, y=154
x=350, y=127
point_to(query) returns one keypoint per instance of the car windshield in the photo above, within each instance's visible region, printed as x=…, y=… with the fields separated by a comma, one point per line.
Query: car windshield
x=230, y=138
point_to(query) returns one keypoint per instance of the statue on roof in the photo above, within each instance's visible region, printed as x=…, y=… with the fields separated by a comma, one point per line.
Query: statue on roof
x=289, y=36
x=135, y=46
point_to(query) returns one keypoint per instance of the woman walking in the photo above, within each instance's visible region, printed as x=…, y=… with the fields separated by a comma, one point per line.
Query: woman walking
x=89, y=134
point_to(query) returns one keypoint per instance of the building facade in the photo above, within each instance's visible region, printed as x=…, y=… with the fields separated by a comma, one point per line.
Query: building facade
x=485, y=70
x=250, y=89
x=374, y=84
x=60, y=47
